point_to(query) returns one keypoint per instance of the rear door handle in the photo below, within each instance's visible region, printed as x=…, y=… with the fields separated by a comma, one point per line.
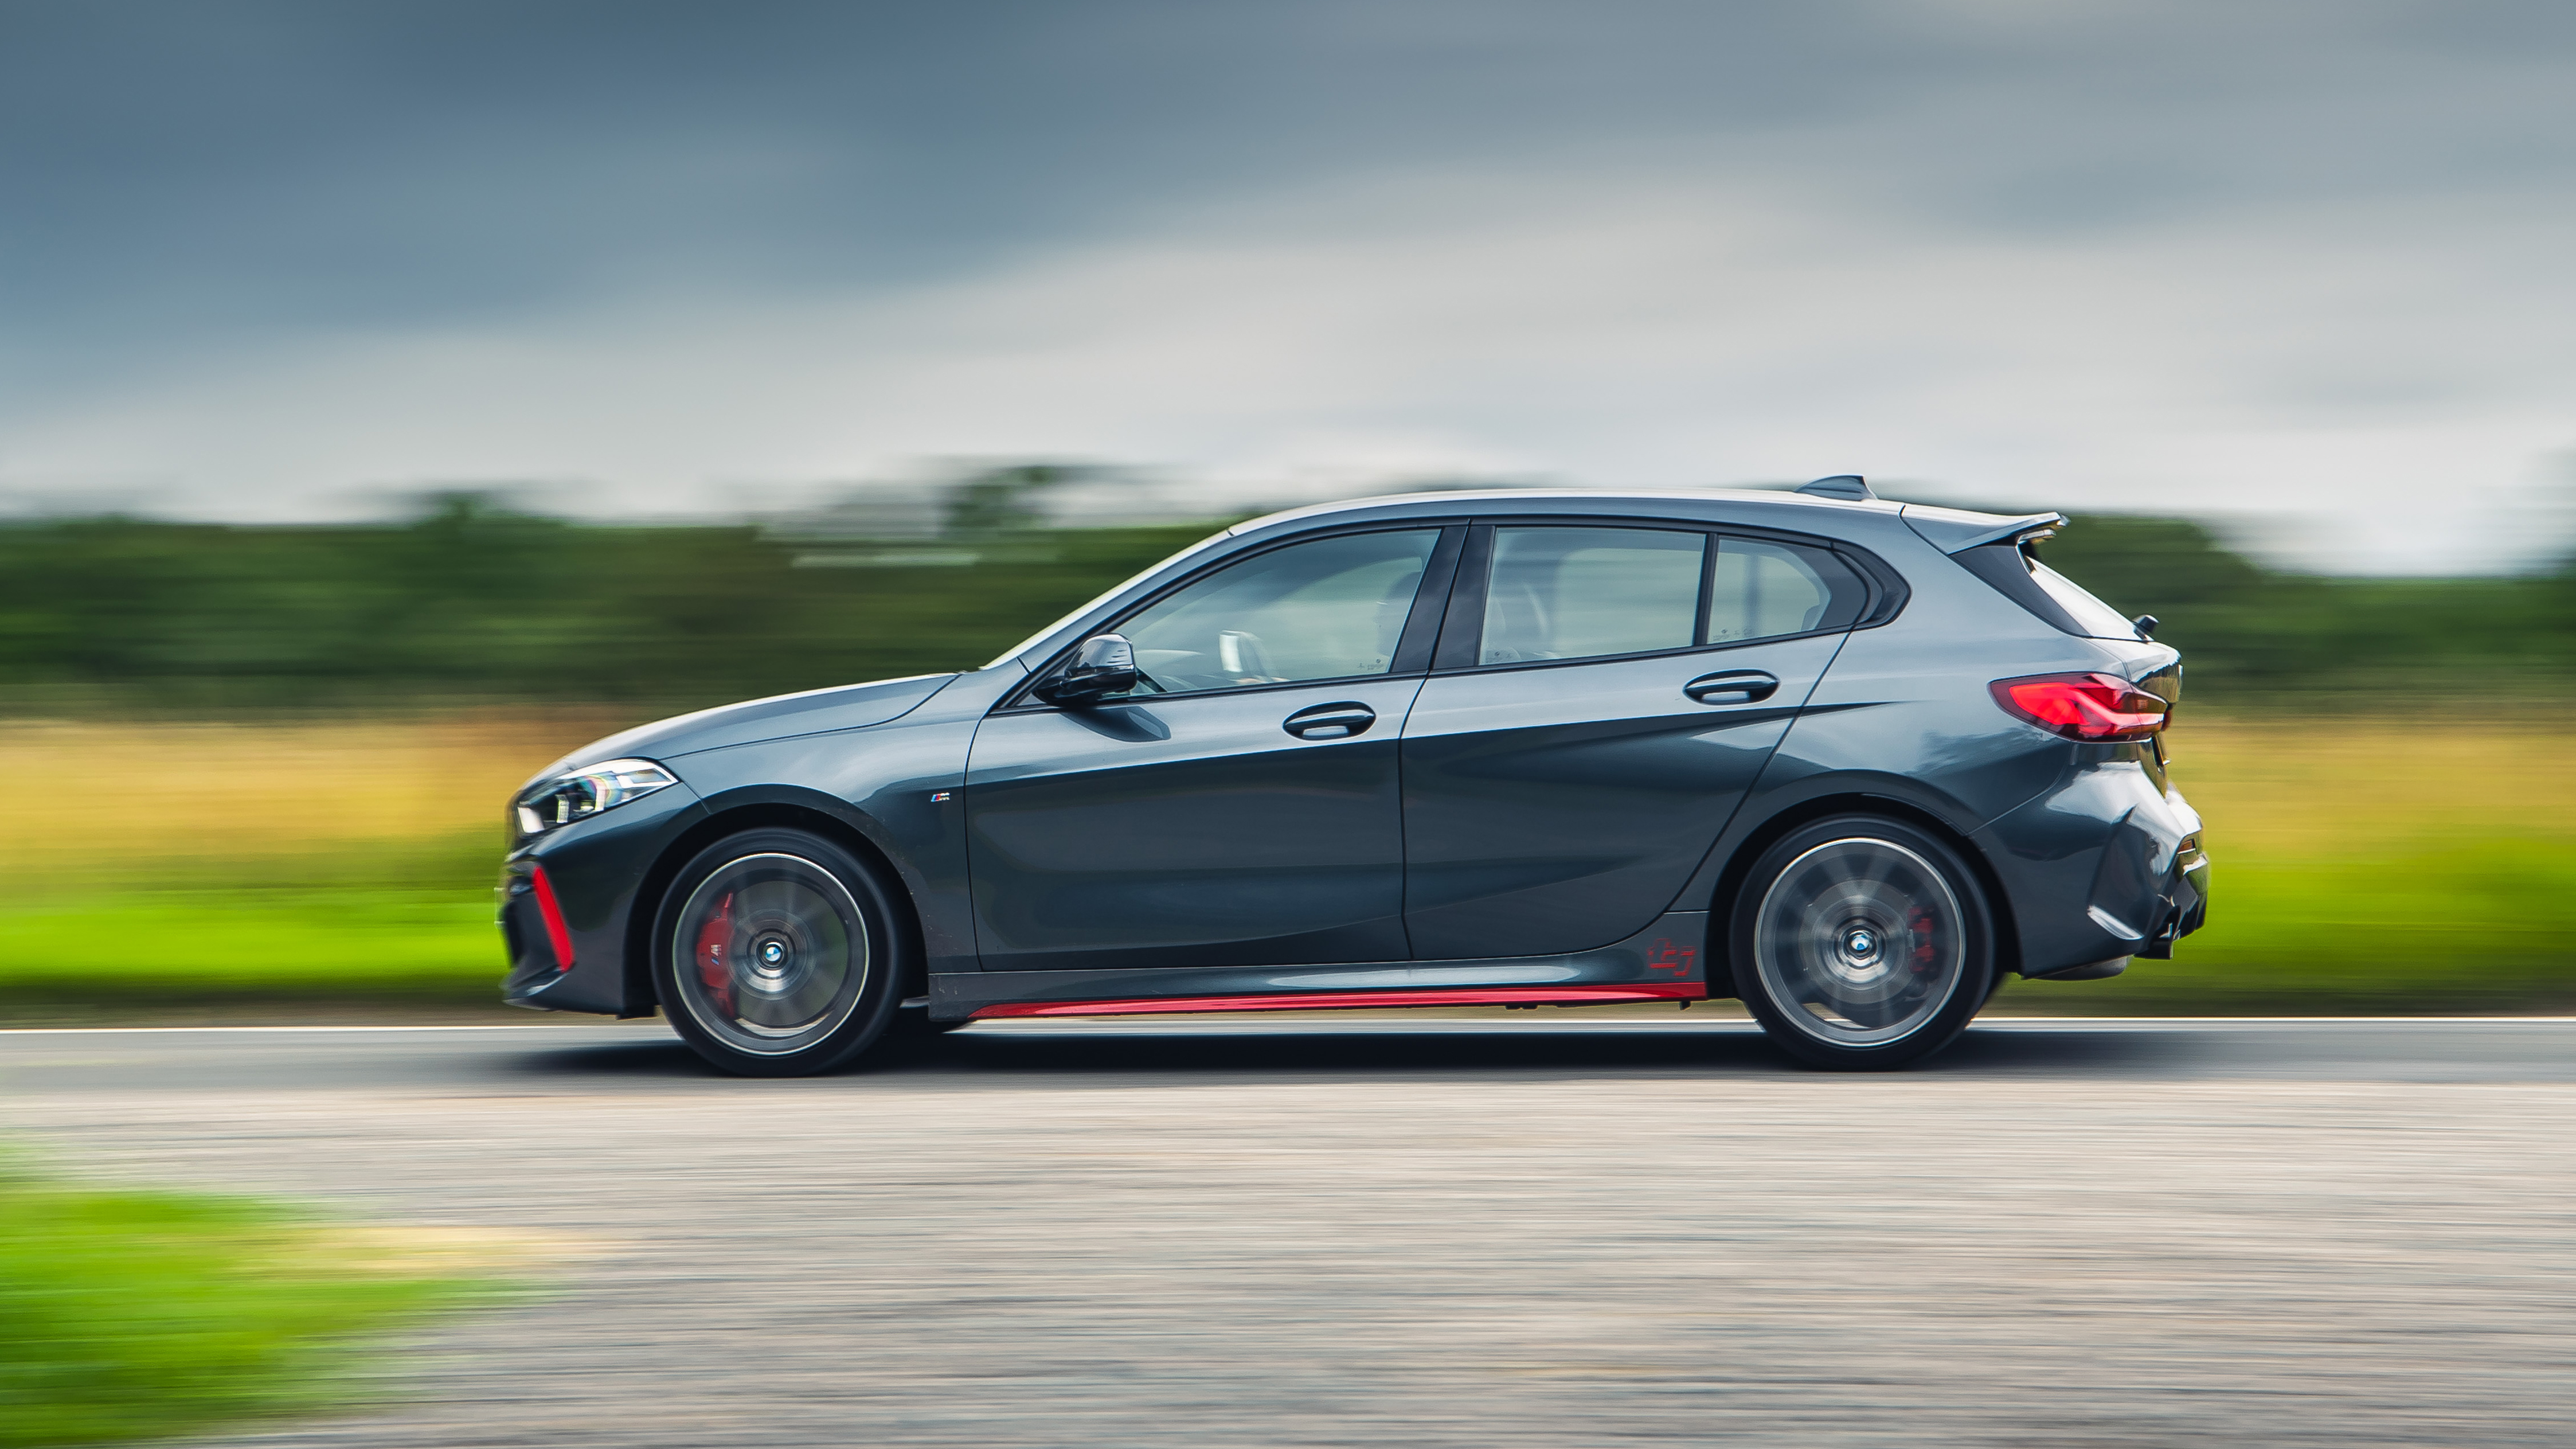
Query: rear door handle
x=1733, y=686
x=1330, y=721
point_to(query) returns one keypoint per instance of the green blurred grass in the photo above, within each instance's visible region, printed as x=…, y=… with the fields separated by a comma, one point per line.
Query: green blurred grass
x=2367, y=863
x=2482, y=927
x=2372, y=864
x=2473, y=928
x=129, y=1315
x=422, y=947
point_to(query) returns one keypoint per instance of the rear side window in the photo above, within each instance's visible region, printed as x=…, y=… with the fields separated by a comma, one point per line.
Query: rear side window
x=1585, y=593
x=1758, y=590
x=1572, y=593
x=2052, y=597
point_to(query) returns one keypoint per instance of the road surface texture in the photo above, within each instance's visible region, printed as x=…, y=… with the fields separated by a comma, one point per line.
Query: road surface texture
x=1452, y=1232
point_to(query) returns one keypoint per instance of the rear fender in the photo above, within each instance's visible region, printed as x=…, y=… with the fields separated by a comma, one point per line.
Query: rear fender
x=1721, y=878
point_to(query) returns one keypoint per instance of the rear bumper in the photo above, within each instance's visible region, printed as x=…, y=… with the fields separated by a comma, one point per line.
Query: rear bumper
x=2185, y=901
x=2106, y=867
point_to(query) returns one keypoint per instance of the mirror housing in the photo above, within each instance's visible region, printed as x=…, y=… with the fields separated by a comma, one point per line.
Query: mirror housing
x=1105, y=664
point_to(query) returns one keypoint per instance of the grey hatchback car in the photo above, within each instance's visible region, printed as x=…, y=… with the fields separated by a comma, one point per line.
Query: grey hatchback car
x=1850, y=760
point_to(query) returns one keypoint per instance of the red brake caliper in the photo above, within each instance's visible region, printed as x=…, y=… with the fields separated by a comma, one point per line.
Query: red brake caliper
x=711, y=951
x=1918, y=923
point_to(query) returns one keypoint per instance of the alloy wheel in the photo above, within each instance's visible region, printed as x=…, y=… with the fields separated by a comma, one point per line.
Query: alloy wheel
x=1860, y=942
x=773, y=954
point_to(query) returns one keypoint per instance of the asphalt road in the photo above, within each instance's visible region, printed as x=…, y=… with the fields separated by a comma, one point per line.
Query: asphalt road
x=1445, y=1232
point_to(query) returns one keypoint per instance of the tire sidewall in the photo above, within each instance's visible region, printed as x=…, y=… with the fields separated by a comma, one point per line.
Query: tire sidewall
x=878, y=995
x=1977, y=973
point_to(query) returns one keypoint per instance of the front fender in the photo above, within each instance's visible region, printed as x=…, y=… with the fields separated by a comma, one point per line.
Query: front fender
x=898, y=787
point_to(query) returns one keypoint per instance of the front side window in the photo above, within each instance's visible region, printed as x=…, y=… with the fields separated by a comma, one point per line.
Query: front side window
x=1331, y=608
x=1586, y=592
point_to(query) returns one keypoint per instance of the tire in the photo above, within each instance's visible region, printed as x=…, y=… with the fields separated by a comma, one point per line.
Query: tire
x=776, y=955
x=1862, y=943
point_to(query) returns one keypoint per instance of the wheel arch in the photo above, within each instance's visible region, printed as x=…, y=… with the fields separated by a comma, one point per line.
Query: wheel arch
x=732, y=819
x=1859, y=801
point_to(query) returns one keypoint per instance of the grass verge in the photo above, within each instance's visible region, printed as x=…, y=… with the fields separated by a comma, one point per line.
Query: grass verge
x=176, y=947
x=130, y=1315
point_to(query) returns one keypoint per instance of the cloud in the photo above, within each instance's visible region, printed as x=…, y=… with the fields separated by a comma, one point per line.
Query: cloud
x=1620, y=330
x=2298, y=260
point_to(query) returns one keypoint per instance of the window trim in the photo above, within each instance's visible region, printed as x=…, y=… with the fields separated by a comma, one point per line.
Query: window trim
x=1413, y=643
x=1462, y=631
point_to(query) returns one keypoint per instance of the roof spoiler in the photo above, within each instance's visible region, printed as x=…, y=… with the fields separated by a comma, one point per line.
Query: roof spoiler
x=1954, y=530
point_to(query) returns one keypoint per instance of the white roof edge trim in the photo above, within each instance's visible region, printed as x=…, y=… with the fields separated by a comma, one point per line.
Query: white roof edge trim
x=1783, y=496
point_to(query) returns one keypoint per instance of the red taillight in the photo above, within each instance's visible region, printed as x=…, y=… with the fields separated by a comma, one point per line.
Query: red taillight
x=2098, y=708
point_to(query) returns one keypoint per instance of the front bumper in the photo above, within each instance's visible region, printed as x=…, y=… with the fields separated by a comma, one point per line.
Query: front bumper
x=567, y=901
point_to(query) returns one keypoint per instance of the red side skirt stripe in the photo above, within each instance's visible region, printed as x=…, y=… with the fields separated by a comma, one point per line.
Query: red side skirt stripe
x=1324, y=1000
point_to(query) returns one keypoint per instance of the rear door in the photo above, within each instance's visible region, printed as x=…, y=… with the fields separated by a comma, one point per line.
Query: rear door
x=1604, y=696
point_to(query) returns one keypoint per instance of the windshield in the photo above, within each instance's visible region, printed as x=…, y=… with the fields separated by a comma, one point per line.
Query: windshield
x=2097, y=619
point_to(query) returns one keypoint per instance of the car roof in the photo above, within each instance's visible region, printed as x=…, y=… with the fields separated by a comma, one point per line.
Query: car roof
x=1697, y=501
x=1945, y=528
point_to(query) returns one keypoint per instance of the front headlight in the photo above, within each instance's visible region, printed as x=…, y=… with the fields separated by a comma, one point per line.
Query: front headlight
x=580, y=794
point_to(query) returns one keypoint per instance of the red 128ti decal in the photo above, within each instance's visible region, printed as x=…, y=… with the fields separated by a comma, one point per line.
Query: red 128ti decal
x=1668, y=957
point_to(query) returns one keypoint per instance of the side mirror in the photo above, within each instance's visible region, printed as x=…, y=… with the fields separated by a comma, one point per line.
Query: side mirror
x=1104, y=665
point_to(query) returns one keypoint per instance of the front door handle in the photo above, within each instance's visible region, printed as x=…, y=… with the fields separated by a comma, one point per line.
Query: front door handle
x=1330, y=721
x=1733, y=686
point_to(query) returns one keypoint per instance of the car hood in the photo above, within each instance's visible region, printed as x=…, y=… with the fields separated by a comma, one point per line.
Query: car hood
x=816, y=711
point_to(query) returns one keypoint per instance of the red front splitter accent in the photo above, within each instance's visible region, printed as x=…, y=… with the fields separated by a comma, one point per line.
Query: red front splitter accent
x=1330, y=1000
x=558, y=935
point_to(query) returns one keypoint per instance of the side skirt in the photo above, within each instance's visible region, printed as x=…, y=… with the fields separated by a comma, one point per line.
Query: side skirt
x=1329, y=1000
x=1665, y=962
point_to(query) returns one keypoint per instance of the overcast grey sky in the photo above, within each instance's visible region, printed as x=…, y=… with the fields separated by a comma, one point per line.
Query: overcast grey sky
x=2305, y=261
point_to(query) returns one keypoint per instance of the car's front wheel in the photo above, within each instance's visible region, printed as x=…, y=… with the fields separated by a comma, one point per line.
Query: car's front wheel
x=1862, y=943
x=776, y=954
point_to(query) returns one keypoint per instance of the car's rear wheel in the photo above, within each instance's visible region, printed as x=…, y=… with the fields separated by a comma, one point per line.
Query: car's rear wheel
x=1862, y=943
x=776, y=954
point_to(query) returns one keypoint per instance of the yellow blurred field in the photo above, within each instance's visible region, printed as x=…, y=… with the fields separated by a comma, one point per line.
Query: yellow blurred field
x=94, y=805
x=2366, y=784
x=2374, y=863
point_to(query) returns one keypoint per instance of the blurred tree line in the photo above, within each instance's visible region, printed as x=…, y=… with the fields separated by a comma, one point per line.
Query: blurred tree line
x=475, y=602
x=2245, y=630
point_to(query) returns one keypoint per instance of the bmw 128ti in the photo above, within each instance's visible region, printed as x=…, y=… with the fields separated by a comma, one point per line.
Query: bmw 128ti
x=1849, y=760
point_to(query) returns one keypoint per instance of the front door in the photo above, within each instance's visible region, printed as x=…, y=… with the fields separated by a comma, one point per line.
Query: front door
x=1609, y=695
x=1240, y=807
